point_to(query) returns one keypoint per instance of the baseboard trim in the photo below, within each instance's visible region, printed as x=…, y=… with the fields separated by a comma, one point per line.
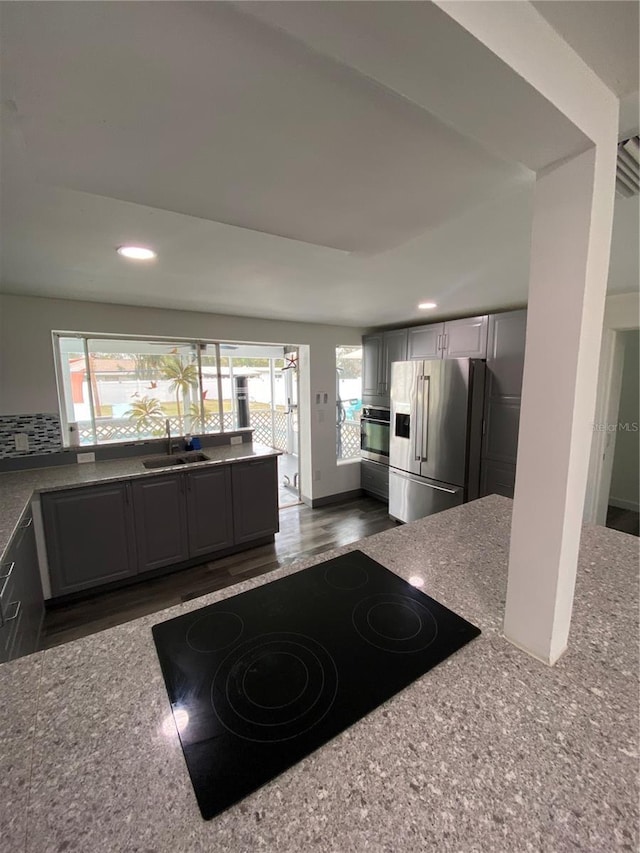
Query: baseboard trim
x=621, y=503
x=338, y=498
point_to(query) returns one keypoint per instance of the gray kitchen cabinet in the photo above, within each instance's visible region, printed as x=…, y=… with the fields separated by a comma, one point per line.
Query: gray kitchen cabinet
x=465, y=338
x=505, y=365
x=255, y=499
x=497, y=478
x=209, y=510
x=160, y=514
x=424, y=341
x=90, y=536
x=372, y=347
x=99, y=534
x=21, y=599
x=379, y=351
x=394, y=348
x=374, y=479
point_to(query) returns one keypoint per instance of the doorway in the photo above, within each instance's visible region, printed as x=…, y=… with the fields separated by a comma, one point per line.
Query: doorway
x=623, y=510
x=288, y=463
x=259, y=388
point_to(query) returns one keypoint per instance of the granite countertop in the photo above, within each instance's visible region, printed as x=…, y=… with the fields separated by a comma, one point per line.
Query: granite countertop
x=18, y=487
x=489, y=751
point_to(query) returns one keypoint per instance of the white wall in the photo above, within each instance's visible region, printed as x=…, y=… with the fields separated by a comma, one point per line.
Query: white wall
x=626, y=461
x=622, y=313
x=28, y=383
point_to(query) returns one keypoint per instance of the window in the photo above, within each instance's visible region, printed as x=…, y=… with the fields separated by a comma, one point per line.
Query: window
x=126, y=390
x=348, y=401
x=123, y=389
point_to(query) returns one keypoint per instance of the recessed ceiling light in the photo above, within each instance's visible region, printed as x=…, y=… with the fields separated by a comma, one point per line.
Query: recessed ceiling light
x=137, y=253
x=426, y=306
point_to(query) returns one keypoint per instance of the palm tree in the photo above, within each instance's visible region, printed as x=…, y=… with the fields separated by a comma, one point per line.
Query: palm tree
x=147, y=366
x=147, y=413
x=195, y=416
x=183, y=377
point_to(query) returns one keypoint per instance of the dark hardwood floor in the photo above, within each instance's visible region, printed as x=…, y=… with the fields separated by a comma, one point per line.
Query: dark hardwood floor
x=624, y=520
x=303, y=532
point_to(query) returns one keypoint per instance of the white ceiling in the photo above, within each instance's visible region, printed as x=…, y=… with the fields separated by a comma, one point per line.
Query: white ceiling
x=604, y=33
x=273, y=180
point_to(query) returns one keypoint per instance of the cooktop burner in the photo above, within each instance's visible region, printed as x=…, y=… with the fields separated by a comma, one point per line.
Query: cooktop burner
x=260, y=680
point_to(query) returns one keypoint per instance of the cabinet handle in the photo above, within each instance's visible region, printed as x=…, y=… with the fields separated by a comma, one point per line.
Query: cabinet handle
x=18, y=604
x=26, y=524
x=5, y=578
x=438, y=343
x=445, y=341
x=126, y=493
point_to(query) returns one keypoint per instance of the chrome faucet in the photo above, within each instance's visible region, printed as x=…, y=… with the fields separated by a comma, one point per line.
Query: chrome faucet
x=167, y=428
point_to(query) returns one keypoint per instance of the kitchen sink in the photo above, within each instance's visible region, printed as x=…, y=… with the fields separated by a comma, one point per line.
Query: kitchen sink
x=177, y=459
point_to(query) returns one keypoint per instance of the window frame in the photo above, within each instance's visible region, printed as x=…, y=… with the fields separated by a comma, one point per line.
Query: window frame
x=355, y=457
x=84, y=337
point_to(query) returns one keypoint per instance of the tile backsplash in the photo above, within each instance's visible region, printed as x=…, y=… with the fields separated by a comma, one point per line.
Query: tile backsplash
x=43, y=432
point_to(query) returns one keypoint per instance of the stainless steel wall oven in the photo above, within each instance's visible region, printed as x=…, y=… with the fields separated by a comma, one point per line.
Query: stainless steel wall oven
x=374, y=434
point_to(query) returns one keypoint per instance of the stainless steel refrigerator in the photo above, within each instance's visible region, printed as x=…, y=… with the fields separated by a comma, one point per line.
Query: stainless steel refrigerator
x=436, y=435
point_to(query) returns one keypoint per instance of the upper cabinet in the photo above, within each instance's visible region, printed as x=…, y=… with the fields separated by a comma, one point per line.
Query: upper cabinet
x=371, y=362
x=505, y=365
x=394, y=349
x=424, y=341
x=466, y=338
x=379, y=351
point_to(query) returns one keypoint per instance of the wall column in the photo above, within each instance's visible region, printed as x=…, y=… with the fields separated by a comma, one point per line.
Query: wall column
x=573, y=210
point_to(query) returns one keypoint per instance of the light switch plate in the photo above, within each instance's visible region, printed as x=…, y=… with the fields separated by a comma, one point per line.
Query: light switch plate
x=85, y=457
x=235, y=439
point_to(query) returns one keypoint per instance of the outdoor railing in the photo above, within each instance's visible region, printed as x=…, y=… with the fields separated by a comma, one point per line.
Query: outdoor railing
x=269, y=427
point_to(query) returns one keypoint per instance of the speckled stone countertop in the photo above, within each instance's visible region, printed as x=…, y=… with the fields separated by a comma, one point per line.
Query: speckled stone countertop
x=18, y=487
x=490, y=751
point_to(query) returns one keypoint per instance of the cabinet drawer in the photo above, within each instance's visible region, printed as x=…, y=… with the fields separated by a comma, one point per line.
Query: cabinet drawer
x=10, y=608
x=21, y=599
x=374, y=478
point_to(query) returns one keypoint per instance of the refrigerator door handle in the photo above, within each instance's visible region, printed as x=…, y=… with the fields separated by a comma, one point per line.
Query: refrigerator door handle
x=417, y=417
x=422, y=482
x=441, y=489
x=426, y=388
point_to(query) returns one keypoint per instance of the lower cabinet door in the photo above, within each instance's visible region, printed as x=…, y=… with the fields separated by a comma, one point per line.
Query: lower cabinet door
x=209, y=509
x=160, y=521
x=90, y=536
x=255, y=499
x=497, y=478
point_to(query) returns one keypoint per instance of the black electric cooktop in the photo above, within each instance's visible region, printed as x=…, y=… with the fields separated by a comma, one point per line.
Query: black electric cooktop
x=260, y=680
